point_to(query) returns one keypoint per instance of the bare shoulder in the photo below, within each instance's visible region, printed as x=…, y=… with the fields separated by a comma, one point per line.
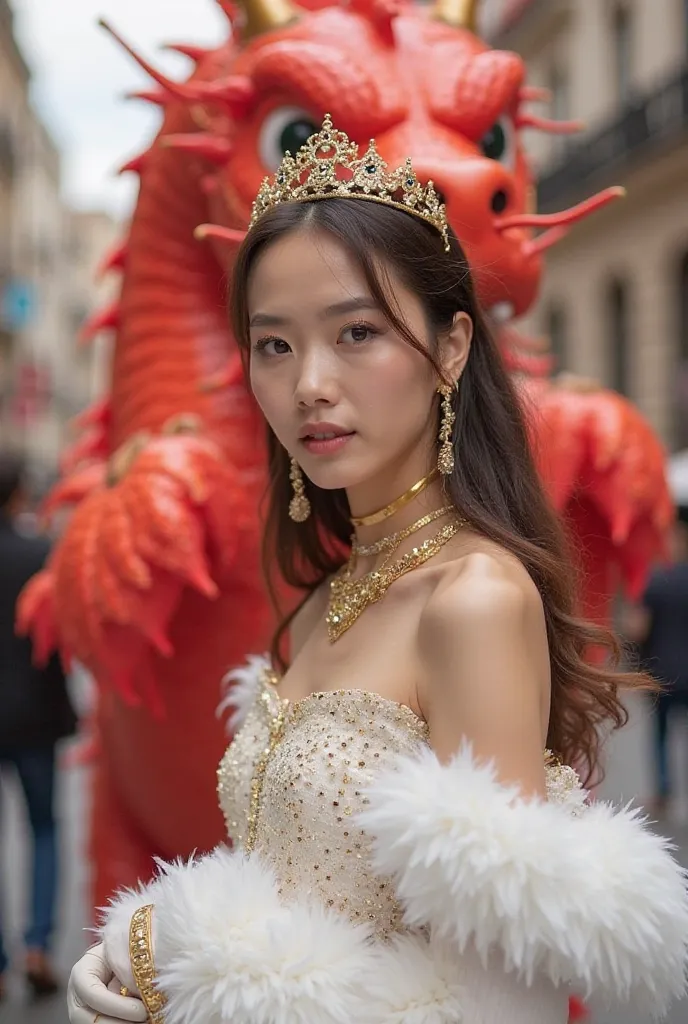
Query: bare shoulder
x=488, y=583
x=307, y=618
x=484, y=657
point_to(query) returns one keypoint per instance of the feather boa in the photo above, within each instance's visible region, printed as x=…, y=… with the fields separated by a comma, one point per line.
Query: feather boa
x=593, y=898
x=227, y=949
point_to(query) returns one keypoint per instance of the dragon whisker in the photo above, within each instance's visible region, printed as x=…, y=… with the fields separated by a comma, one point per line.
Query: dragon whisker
x=232, y=235
x=563, y=217
x=180, y=90
x=547, y=124
x=534, y=94
x=194, y=53
x=544, y=241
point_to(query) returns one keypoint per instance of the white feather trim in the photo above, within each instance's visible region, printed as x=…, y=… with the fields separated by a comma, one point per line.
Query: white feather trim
x=595, y=899
x=241, y=687
x=411, y=982
x=228, y=950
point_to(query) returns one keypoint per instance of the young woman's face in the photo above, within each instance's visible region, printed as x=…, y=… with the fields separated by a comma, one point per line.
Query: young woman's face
x=343, y=392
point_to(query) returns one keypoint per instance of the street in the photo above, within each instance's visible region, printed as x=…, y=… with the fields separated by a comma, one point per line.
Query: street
x=628, y=776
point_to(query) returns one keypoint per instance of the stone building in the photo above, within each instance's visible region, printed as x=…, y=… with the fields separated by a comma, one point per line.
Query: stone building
x=46, y=259
x=615, y=295
x=92, y=234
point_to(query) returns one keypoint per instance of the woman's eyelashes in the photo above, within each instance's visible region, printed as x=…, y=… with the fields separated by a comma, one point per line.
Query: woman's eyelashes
x=279, y=346
x=353, y=334
x=358, y=333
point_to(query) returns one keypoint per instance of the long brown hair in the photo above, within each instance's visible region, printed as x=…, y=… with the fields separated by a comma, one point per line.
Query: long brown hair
x=494, y=485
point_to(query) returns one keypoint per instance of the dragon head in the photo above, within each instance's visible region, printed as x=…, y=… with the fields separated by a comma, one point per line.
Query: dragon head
x=421, y=82
x=415, y=77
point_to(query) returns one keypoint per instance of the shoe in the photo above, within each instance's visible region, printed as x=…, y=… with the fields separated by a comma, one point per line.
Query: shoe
x=40, y=976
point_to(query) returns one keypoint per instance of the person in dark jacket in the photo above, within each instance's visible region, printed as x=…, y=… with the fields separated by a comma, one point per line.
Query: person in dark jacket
x=35, y=712
x=659, y=627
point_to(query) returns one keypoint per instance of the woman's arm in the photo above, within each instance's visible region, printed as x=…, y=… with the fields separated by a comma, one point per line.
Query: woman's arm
x=558, y=891
x=485, y=662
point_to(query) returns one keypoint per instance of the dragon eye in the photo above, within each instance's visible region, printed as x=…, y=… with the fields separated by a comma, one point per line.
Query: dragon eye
x=286, y=128
x=498, y=143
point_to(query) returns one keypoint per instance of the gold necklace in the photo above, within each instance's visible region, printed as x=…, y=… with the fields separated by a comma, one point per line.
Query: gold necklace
x=393, y=540
x=393, y=507
x=350, y=598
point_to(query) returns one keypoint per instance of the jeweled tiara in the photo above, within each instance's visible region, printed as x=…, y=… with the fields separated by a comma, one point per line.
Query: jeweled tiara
x=328, y=166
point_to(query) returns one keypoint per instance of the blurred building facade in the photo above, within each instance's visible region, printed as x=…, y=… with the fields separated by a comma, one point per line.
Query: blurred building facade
x=614, y=301
x=45, y=288
x=92, y=235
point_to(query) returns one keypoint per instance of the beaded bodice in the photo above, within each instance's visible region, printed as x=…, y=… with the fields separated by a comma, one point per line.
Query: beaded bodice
x=293, y=779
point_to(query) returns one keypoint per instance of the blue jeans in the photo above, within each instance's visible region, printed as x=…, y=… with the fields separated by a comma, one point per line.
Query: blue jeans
x=36, y=772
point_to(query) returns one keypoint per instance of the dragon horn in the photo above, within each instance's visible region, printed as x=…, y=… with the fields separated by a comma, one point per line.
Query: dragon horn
x=459, y=13
x=265, y=16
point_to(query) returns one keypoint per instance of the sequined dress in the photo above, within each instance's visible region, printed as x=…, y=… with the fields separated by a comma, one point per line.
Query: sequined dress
x=292, y=783
x=368, y=882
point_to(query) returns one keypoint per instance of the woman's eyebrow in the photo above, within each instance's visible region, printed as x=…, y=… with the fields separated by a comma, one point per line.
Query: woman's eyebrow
x=268, y=320
x=352, y=305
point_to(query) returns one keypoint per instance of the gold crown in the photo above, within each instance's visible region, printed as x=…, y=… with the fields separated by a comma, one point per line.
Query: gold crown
x=328, y=166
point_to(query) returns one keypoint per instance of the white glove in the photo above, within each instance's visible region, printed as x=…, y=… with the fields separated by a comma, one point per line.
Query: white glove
x=93, y=993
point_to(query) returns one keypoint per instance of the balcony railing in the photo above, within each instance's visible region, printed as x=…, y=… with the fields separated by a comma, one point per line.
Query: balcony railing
x=656, y=120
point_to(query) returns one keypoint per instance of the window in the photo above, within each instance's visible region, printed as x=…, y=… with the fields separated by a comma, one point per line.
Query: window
x=680, y=371
x=557, y=330
x=622, y=30
x=618, y=323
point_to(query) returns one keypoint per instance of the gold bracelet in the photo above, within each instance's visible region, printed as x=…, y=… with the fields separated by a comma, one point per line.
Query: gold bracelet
x=143, y=964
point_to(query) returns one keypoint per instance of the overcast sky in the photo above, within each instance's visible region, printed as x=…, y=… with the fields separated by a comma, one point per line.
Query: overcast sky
x=80, y=76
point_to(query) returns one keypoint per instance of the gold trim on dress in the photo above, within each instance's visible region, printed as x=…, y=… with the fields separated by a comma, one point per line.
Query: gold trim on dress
x=276, y=733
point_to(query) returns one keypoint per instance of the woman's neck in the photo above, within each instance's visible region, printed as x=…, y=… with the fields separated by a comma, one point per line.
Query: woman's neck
x=428, y=499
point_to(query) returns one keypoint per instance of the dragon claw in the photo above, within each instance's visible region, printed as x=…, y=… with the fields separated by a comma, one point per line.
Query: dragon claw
x=131, y=550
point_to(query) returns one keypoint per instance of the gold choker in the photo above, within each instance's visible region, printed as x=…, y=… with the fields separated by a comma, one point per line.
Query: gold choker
x=398, y=503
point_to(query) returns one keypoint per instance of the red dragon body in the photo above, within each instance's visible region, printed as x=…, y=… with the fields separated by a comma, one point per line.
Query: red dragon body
x=155, y=585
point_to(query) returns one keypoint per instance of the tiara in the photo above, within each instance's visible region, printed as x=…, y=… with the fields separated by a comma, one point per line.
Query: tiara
x=328, y=166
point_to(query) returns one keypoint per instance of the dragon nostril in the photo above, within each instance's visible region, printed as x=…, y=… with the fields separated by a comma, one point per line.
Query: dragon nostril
x=499, y=201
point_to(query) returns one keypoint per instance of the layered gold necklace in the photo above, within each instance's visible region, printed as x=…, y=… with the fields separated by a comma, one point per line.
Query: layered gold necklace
x=349, y=598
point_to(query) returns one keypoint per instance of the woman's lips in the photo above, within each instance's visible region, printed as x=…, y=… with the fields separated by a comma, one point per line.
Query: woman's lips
x=326, y=445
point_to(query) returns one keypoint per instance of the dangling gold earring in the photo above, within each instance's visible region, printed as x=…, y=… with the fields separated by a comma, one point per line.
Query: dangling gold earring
x=445, y=457
x=299, y=506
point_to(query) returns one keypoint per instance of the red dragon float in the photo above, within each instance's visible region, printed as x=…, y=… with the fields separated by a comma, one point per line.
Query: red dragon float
x=155, y=585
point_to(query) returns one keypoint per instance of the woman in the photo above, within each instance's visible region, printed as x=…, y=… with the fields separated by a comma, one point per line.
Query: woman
x=403, y=849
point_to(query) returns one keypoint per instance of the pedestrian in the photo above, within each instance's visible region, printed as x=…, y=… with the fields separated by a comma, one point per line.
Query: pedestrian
x=659, y=626
x=35, y=712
